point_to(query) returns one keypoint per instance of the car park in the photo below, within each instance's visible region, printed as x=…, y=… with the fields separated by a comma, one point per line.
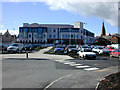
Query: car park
x=71, y=49
x=115, y=53
x=87, y=54
x=15, y=47
x=59, y=49
x=100, y=50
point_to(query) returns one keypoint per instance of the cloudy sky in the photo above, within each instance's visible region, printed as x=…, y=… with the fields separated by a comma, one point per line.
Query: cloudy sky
x=16, y=12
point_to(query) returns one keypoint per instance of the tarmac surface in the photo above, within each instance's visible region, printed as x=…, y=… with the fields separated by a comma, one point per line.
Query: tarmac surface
x=54, y=71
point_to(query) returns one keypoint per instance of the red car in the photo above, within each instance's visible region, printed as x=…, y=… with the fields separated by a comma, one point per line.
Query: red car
x=110, y=49
x=115, y=53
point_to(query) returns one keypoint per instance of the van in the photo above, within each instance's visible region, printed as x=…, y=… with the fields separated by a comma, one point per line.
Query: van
x=15, y=47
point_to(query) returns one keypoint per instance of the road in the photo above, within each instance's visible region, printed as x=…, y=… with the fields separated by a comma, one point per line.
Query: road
x=42, y=71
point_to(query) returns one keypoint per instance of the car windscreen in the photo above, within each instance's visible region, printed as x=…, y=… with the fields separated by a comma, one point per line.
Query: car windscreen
x=58, y=47
x=14, y=45
x=72, y=46
x=87, y=50
x=85, y=46
x=100, y=48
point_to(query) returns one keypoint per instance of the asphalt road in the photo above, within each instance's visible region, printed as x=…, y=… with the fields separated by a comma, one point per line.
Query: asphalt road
x=53, y=73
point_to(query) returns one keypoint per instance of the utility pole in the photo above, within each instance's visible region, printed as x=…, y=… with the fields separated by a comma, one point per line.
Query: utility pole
x=85, y=33
x=70, y=37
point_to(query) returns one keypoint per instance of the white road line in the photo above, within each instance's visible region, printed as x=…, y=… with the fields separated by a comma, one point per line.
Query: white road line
x=82, y=66
x=90, y=69
x=59, y=60
x=56, y=81
x=72, y=64
x=69, y=63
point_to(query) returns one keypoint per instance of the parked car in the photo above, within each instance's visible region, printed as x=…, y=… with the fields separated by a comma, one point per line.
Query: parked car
x=59, y=49
x=110, y=49
x=115, y=53
x=28, y=47
x=100, y=50
x=15, y=47
x=71, y=49
x=87, y=54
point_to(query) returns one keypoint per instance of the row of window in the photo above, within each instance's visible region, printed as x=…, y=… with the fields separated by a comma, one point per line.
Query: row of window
x=35, y=30
x=30, y=35
x=67, y=30
x=66, y=36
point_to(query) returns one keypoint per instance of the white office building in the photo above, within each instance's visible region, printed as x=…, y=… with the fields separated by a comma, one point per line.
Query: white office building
x=55, y=33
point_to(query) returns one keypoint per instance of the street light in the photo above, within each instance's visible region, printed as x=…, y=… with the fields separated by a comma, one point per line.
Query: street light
x=61, y=37
x=70, y=37
x=85, y=33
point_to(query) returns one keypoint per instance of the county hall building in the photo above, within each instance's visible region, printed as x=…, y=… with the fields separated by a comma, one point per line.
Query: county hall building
x=55, y=33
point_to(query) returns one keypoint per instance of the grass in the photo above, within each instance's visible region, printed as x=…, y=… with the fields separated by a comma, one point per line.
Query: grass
x=111, y=82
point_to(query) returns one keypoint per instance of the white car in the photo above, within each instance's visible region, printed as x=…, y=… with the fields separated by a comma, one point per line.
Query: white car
x=100, y=50
x=87, y=54
x=15, y=47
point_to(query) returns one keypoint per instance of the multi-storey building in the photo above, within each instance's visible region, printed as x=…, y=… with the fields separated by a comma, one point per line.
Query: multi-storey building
x=51, y=33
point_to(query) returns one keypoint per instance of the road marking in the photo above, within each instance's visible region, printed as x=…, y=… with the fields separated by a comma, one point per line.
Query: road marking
x=69, y=63
x=90, y=69
x=56, y=81
x=82, y=66
x=103, y=70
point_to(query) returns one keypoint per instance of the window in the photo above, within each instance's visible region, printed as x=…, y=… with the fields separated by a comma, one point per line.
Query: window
x=30, y=30
x=113, y=39
x=77, y=36
x=81, y=37
x=54, y=36
x=50, y=36
x=44, y=35
x=29, y=35
x=71, y=36
x=54, y=30
x=36, y=30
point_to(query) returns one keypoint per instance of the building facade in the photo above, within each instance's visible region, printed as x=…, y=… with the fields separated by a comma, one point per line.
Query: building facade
x=7, y=38
x=55, y=33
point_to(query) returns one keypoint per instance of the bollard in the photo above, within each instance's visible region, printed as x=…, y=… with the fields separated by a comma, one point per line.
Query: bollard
x=26, y=54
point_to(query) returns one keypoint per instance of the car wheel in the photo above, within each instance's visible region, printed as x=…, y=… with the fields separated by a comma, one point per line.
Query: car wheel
x=83, y=57
x=111, y=56
x=79, y=56
x=119, y=57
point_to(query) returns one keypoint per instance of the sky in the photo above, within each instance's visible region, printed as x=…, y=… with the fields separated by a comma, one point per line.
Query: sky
x=16, y=12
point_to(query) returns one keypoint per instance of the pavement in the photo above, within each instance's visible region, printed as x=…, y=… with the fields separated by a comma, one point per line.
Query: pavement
x=57, y=71
x=39, y=55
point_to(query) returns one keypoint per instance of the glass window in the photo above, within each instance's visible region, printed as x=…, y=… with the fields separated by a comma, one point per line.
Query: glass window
x=54, y=30
x=71, y=36
x=77, y=36
x=30, y=30
x=54, y=36
x=29, y=35
x=50, y=36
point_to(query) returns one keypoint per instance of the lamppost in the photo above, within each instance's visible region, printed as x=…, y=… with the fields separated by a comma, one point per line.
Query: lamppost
x=85, y=33
x=61, y=37
x=70, y=37
x=75, y=39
